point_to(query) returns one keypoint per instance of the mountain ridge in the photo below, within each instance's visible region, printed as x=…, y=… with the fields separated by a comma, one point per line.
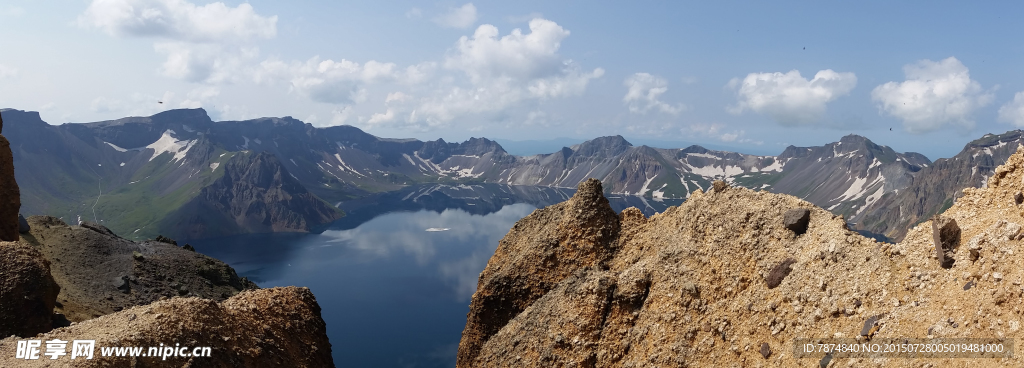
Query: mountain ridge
x=848, y=177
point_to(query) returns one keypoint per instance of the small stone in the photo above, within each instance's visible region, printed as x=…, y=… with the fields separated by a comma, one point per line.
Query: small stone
x=779, y=272
x=945, y=238
x=1018, y=198
x=997, y=276
x=719, y=186
x=969, y=285
x=796, y=220
x=766, y=351
x=121, y=283
x=138, y=256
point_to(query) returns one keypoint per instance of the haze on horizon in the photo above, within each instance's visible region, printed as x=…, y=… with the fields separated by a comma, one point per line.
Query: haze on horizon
x=754, y=77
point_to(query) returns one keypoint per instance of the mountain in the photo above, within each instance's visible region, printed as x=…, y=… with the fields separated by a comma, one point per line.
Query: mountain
x=173, y=160
x=936, y=187
x=181, y=174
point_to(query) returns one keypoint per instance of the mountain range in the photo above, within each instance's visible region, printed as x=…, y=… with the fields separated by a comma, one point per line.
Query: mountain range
x=181, y=174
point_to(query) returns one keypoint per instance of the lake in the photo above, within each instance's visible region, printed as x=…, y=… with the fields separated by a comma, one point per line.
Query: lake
x=395, y=276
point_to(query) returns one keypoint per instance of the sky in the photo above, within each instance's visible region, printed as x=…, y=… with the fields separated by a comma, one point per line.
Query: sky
x=752, y=77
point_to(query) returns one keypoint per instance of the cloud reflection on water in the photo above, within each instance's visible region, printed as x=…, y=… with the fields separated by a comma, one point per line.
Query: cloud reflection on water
x=458, y=254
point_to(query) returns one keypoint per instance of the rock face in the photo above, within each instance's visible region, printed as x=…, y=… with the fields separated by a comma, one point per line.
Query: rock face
x=554, y=242
x=256, y=194
x=27, y=291
x=10, y=196
x=261, y=328
x=694, y=286
x=102, y=273
x=934, y=188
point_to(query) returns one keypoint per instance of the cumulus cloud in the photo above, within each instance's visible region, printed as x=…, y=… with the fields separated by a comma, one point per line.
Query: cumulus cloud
x=178, y=20
x=1013, y=112
x=789, y=98
x=7, y=72
x=644, y=92
x=934, y=95
x=328, y=81
x=198, y=97
x=206, y=63
x=202, y=44
x=461, y=17
x=504, y=72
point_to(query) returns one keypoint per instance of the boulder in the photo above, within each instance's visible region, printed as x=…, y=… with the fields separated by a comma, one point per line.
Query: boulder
x=945, y=238
x=279, y=327
x=29, y=291
x=797, y=220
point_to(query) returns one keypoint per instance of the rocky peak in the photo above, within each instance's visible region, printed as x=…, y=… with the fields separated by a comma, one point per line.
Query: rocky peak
x=556, y=242
x=602, y=147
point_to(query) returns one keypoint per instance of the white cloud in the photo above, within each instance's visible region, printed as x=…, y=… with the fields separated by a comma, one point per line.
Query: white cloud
x=503, y=73
x=516, y=55
x=1013, y=112
x=327, y=81
x=204, y=63
x=462, y=17
x=717, y=131
x=198, y=97
x=789, y=98
x=379, y=118
x=8, y=72
x=178, y=20
x=12, y=11
x=934, y=95
x=414, y=13
x=643, y=93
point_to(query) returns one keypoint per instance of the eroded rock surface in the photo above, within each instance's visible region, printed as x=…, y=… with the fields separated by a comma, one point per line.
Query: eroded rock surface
x=553, y=242
x=27, y=291
x=693, y=286
x=102, y=273
x=279, y=327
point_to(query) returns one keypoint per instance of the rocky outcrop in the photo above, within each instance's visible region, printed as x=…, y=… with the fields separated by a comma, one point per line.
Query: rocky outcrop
x=101, y=273
x=255, y=195
x=10, y=196
x=27, y=291
x=721, y=281
x=554, y=242
x=261, y=328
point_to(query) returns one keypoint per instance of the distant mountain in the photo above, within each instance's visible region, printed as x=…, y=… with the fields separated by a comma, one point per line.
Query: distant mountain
x=934, y=188
x=181, y=174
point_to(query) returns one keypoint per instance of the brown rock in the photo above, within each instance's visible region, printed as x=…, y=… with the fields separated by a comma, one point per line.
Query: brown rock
x=778, y=273
x=27, y=291
x=539, y=252
x=719, y=186
x=797, y=220
x=10, y=196
x=766, y=351
x=945, y=238
x=279, y=327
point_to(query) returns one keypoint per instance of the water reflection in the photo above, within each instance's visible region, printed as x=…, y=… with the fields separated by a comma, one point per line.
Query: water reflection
x=395, y=276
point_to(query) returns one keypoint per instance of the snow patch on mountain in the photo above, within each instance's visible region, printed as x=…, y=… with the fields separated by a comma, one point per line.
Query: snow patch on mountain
x=116, y=148
x=167, y=143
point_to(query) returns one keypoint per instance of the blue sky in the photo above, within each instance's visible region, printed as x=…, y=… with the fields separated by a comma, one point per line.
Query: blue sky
x=751, y=76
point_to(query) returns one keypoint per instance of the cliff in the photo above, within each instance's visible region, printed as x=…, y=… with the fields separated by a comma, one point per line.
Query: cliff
x=733, y=276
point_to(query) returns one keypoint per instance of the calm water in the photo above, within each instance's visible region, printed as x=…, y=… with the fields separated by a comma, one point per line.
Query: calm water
x=394, y=278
